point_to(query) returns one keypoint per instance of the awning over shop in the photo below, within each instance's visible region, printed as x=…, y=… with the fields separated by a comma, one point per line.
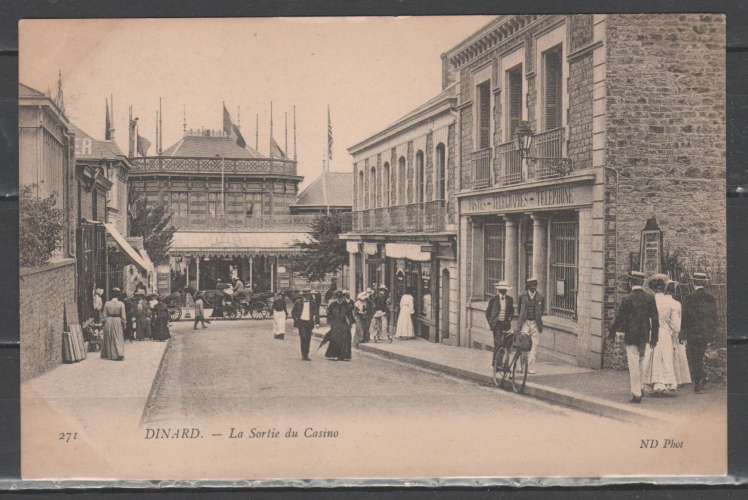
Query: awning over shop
x=410, y=251
x=126, y=248
x=351, y=246
x=218, y=244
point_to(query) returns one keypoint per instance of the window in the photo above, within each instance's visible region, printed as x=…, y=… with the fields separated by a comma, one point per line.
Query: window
x=360, y=204
x=564, y=249
x=514, y=98
x=493, y=255
x=386, y=201
x=483, y=97
x=373, y=185
x=419, y=198
x=552, y=79
x=215, y=204
x=441, y=174
x=180, y=203
x=401, y=180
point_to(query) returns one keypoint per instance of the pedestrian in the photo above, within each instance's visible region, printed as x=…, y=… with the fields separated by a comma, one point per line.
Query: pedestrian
x=531, y=308
x=238, y=285
x=305, y=314
x=637, y=324
x=659, y=370
x=98, y=304
x=370, y=306
x=160, y=321
x=680, y=358
x=360, y=314
x=199, y=311
x=499, y=313
x=280, y=315
x=340, y=321
x=404, y=319
x=142, y=315
x=113, y=341
x=381, y=307
x=698, y=328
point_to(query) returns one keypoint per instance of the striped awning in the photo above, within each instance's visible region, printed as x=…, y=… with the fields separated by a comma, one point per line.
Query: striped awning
x=228, y=244
x=127, y=249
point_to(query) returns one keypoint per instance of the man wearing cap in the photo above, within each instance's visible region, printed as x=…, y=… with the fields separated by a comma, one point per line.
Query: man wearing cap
x=499, y=312
x=637, y=323
x=698, y=327
x=305, y=314
x=531, y=307
x=381, y=308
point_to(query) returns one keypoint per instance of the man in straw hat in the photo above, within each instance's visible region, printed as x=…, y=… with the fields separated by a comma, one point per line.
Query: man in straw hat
x=698, y=327
x=637, y=324
x=531, y=307
x=305, y=314
x=499, y=312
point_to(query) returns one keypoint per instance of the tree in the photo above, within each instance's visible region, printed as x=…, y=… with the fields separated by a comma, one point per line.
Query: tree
x=42, y=225
x=153, y=223
x=325, y=253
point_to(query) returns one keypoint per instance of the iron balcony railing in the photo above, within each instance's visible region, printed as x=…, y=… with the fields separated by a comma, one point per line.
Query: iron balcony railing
x=227, y=166
x=510, y=164
x=547, y=146
x=482, y=168
x=429, y=216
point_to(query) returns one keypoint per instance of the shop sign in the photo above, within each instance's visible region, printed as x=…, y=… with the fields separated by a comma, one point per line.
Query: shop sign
x=547, y=197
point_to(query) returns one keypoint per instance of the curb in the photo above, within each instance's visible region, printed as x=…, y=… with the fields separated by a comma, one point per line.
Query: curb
x=574, y=400
x=156, y=384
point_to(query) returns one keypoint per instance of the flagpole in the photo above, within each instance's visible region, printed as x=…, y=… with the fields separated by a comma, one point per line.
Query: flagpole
x=285, y=124
x=325, y=164
x=294, y=132
x=160, y=128
x=257, y=132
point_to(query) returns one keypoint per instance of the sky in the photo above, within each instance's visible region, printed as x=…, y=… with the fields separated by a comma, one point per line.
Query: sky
x=370, y=71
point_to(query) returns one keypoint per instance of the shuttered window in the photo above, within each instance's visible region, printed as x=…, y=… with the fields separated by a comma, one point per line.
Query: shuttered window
x=514, y=85
x=483, y=94
x=552, y=88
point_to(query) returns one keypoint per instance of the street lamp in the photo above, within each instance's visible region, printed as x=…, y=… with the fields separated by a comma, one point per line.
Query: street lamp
x=523, y=136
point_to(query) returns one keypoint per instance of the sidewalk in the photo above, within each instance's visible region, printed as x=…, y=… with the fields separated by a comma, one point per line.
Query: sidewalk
x=90, y=389
x=602, y=392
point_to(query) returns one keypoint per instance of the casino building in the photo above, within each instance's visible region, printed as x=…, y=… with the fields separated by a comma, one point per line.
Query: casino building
x=578, y=148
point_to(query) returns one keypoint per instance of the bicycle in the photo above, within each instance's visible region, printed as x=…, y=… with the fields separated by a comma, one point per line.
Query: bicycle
x=510, y=361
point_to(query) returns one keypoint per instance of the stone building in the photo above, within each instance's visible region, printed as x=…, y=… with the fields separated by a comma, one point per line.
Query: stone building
x=231, y=206
x=404, y=233
x=47, y=293
x=626, y=116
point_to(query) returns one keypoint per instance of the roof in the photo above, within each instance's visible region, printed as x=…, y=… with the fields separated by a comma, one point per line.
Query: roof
x=203, y=146
x=431, y=107
x=339, y=191
x=26, y=91
x=96, y=149
x=220, y=243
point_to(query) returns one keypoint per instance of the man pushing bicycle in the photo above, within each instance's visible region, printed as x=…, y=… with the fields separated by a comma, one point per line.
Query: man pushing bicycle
x=499, y=314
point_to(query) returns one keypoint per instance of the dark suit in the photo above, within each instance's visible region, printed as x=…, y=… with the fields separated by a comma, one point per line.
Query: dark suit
x=539, y=309
x=493, y=313
x=698, y=327
x=305, y=326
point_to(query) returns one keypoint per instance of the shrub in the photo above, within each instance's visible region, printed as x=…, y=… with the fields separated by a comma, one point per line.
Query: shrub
x=41, y=228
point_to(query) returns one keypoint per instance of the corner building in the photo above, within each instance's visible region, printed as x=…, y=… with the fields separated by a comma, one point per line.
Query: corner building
x=627, y=114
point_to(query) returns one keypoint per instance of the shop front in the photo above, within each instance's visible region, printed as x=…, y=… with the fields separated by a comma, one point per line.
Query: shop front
x=547, y=231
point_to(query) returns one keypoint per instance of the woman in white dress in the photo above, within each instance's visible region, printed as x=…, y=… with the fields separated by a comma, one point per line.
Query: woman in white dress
x=405, y=319
x=659, y=371
x=680, y=359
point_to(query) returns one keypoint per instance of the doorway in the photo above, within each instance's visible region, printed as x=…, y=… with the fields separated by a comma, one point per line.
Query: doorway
x=444, y=295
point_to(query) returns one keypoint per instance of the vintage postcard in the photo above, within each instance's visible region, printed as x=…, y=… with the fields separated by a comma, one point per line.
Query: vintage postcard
x=480, y=247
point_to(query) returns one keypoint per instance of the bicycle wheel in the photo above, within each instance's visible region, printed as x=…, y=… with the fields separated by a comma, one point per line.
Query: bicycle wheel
x=175, y=314
x=507, y=373
x=230, y=313
x=497, y=367
x=519, y=372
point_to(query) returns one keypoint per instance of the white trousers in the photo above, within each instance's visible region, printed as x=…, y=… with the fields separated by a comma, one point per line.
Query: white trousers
x=531, y=328
x=635, y=360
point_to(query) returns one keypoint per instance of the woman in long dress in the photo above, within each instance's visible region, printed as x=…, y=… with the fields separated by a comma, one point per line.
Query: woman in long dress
x=280, y=315
x=405, y=319
x=680, y=359
x=113, y=342
x=340, y=320
x=659, y=371
x=160, y=321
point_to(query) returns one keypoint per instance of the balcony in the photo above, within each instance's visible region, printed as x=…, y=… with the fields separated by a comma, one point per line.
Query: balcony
x=482, y=168
x=510, y=165
x=547, y=145
x=429, y=217
x=202, y=166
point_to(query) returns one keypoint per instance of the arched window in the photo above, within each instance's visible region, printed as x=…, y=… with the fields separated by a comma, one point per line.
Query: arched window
x=441, y=172
x=386, y=201
x=419, y=187
x=373, y=188
x=361, y=192
x=402, y=180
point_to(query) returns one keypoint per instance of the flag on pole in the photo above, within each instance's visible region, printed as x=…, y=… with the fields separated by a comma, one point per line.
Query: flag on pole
x=329, y=134
x=276, y=151
x=143, y=145
x=232, y=130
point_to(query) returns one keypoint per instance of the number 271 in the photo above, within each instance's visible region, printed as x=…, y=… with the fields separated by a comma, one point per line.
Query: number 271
x=67, y=436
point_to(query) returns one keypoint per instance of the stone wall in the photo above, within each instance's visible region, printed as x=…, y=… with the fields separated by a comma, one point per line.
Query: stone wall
x=580, y=111
x=451, y=176
x=43, y=291
x=665, y=83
